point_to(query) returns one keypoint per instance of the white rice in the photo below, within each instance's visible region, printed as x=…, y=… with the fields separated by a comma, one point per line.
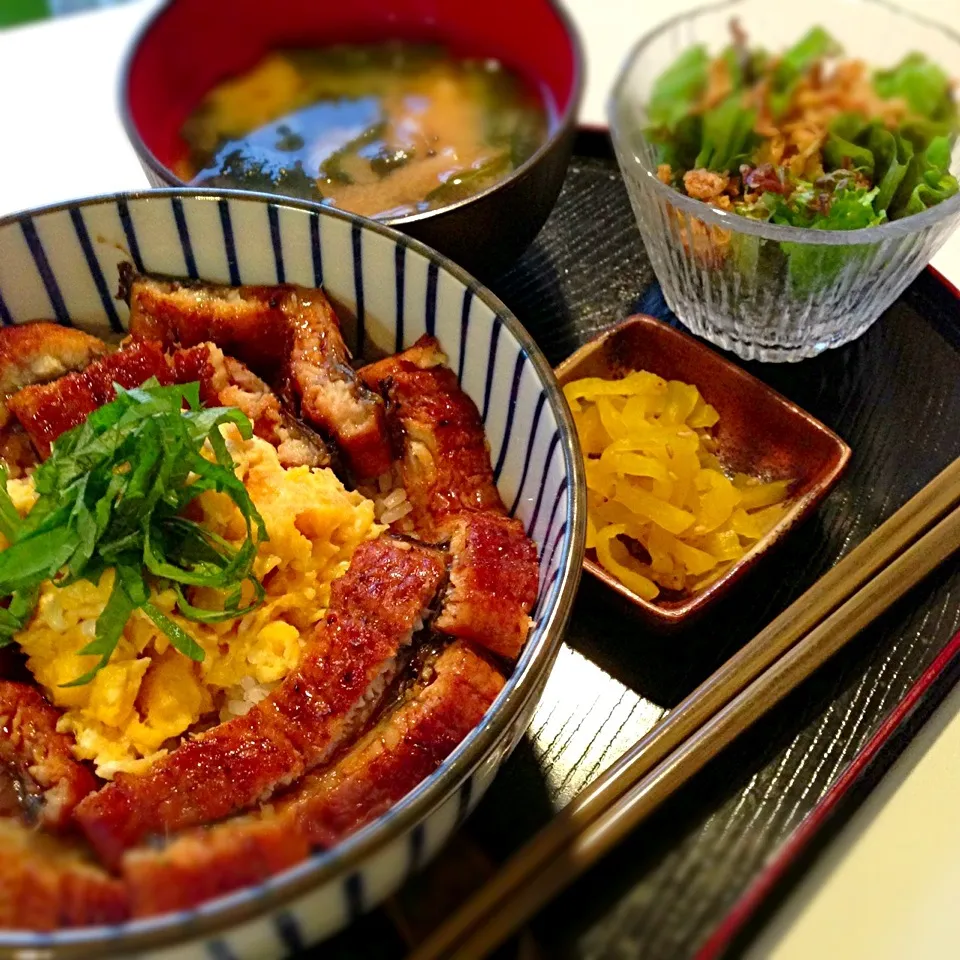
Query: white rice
x=394, y=498
x=397, y=513
x=244, y=697
x=390, y=504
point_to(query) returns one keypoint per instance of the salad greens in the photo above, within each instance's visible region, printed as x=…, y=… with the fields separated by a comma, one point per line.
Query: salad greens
x=924, y=86
x=726, y=136
x=797, y=61
x=857, y=149
x=679, y=88
x=112, y=496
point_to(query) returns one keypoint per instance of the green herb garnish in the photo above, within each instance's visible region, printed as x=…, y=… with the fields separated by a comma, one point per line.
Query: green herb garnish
x=112, y=496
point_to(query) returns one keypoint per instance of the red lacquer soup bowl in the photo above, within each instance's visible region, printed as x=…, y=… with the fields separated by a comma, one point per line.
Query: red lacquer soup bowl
x=192, y=45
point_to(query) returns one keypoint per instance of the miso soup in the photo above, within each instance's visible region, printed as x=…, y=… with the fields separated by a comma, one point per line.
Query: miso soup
x=383, y=130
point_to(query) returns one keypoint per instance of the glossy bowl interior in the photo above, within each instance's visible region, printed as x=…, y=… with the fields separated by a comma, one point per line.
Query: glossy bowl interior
x=191, y=45
x=61, y=264
x=759, y=432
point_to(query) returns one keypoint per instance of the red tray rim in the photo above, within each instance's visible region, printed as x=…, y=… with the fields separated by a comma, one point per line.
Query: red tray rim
x=718, y=945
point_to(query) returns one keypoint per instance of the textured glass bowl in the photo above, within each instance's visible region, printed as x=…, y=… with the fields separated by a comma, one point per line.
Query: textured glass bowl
x=725, y=276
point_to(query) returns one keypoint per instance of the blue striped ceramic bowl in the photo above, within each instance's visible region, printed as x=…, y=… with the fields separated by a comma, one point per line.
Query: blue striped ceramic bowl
x=61, y=263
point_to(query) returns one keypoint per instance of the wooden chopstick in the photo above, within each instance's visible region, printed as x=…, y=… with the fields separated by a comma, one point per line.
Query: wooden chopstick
x=567, y=844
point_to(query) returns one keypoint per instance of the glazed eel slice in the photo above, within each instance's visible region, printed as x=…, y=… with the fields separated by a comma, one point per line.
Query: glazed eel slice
x=404, y=747
x=445, y=468
x=48, y=782
x=34, y=353
x=444, y=460
x=47, y=883
x=353, y=655
x=225, y=381
x=47, y=410
x=494, y=581
x=286, y=334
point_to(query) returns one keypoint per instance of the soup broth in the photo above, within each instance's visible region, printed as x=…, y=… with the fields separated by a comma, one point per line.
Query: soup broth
x=383, y=130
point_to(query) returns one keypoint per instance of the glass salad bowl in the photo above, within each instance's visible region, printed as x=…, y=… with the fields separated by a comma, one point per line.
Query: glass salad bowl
x=766, y=290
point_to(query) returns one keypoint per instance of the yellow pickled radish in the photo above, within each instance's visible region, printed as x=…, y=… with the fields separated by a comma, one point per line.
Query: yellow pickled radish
x=654, y=480
x=662, y=513
x=593, y=438
x=755, y=495
x=703, y=415
x=681, y=400
x=631, y=578
x=637, y=383
x=718, y=499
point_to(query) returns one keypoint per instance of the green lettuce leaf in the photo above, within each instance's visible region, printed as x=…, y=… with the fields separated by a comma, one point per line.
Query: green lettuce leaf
x=678, y=88
x=735, y=66
x=911, y=174
x=680, y=147
x=927, y=181
x=850, y=208
x=922, y=84
x=921, y=132
x=812, y=265
x=843, y=149
x=892, y=155
x=728, y=136
x=812, y=46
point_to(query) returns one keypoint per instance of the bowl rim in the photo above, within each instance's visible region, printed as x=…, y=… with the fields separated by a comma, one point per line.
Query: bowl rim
x=566, y=122
x=629, y=159
x=525, y=683
x=686, y=609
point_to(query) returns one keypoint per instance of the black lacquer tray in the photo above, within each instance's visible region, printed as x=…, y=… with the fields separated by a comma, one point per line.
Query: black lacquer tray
x=894, y=396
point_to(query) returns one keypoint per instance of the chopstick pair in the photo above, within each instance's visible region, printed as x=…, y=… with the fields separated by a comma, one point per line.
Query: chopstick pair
x=895, y=557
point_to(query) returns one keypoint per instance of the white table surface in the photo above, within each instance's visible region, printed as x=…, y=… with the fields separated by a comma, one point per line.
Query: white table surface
x=889, y=886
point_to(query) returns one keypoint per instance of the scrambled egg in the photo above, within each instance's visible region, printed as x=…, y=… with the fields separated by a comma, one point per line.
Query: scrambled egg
x=149, y=693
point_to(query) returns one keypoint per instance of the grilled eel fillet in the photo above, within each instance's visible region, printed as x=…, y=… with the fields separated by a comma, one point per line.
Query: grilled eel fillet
x=227, y=382
x=406, y=746
x=48, y=781
x=36, y=353
x=47, y=410
x=375, y=608
x=39, y=352
x=444, y=458
x=47, y=883
x=288, y=335
x=445, y=469
x=494, y=580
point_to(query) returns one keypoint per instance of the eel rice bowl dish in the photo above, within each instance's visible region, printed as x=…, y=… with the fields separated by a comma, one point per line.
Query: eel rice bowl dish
x=253, y=594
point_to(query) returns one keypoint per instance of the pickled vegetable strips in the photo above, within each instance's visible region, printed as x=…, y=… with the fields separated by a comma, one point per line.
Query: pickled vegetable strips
x=662, y=512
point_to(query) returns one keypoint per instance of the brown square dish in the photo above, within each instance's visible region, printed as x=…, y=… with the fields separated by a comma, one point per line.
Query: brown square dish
x=759, y=432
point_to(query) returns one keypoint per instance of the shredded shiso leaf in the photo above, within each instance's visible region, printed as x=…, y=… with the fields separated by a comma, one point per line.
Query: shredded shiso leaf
x=112, y=495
